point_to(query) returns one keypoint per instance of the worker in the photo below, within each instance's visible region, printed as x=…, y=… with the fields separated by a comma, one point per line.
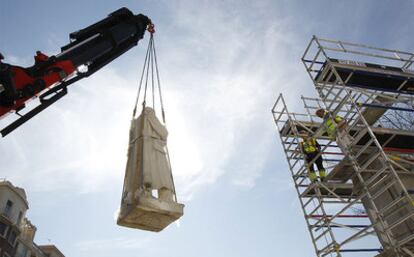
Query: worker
x=335, y=128
x=311, y=149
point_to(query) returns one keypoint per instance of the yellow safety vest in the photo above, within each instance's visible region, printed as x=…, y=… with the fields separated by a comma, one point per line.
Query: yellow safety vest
x=309, y=145
x=331, y=127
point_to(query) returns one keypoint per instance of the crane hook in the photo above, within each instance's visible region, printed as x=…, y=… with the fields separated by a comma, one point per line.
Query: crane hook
x=151, y=28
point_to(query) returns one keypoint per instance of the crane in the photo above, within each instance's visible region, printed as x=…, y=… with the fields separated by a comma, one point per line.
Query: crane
x=89, y=50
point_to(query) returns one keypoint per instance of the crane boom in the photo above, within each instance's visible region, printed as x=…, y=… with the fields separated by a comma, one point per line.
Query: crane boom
x=90, y=48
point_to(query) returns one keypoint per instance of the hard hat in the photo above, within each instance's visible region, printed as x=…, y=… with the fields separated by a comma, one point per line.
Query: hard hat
x=320, y=112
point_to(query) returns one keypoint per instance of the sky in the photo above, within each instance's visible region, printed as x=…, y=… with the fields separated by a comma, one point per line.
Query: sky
x=222, y=66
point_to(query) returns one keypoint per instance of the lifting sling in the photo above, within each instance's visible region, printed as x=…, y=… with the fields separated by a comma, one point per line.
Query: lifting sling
x=148, y=166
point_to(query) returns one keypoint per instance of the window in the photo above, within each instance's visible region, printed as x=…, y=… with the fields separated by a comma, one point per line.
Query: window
x=3, y=229
x=8, y=209
x=25, y=252
x=19, y=219
x=22, y=251
x=12, y=237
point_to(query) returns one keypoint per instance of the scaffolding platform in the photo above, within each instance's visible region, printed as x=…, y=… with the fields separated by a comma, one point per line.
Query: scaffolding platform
x=368, y=75
x=387, y=137
x=287, y=131
x=392, y=140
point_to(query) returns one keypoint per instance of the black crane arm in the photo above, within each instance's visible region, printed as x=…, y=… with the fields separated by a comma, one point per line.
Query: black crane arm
x=91, y=48
x=102, y=42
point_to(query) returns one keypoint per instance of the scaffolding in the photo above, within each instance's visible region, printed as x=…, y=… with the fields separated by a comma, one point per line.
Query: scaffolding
x=365, y=204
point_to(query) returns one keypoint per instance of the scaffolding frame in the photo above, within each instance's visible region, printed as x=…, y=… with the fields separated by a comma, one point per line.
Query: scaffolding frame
x=372, y=172
x=320, y=222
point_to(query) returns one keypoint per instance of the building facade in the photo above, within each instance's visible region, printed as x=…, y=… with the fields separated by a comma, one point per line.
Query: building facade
x=13, y=207
x=16, y=231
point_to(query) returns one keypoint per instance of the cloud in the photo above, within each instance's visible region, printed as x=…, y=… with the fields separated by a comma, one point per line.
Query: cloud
x=230, y=87
x=17, y=60
x=72, y=144
x=219, y=85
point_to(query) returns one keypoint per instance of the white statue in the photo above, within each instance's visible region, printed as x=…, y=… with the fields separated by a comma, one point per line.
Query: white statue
x=148, y=158
x=148, y=168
